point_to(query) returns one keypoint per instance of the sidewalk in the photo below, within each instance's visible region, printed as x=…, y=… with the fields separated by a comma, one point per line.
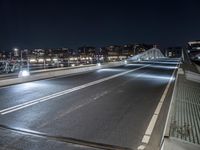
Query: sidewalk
x=176, y=144
x=184, y=121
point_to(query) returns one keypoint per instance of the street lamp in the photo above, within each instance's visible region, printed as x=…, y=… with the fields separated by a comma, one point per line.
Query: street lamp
x=22, y=72
x=16, y=50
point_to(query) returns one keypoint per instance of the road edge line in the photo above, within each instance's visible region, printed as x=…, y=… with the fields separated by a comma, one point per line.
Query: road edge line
x=151, y=125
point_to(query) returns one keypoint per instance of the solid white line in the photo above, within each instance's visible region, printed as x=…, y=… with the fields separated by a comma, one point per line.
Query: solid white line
x=141, y=147
x=145, y=138
x=170, y=107
x=149, y=130
x=39, y=100
x=151, y=125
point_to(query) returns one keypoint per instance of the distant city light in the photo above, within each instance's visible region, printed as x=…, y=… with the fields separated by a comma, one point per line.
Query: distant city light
x=15, y=49
x=48, y=59
x=41, y=60
x=55, y=59
x=32, y=60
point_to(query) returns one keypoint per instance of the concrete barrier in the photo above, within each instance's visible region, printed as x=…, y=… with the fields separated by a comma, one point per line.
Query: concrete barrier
x=55, y=73
x=198, y=68
x=14, y=75
x=62, y=68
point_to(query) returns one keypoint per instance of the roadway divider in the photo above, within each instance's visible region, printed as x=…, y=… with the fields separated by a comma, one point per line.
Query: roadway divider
x=51, y=73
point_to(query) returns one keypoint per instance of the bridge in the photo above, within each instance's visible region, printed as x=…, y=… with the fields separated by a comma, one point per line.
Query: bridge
x=151, y=54
x=123, y=105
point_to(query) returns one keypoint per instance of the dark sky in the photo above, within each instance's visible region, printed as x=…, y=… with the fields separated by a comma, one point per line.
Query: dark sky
x=65, y=23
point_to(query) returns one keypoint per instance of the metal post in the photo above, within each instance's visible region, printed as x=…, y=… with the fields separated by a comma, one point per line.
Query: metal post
x=21, y=60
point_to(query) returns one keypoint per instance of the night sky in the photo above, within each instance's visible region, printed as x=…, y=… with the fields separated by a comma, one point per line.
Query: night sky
x=65, y=23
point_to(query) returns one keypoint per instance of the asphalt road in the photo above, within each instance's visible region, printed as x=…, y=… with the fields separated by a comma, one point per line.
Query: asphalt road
x=111, y=106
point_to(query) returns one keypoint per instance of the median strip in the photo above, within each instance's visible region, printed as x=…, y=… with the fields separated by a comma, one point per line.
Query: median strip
x=45, y=98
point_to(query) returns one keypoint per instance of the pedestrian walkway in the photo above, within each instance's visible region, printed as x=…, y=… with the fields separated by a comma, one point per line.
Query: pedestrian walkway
x=184, y=123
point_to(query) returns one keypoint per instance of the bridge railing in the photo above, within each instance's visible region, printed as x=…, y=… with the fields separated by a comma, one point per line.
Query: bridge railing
x=150, y=54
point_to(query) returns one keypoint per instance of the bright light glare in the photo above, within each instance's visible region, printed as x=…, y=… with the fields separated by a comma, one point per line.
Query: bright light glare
x=30, y=85
x=140, y=64
x=163, y=62
x=73, y=65
x=110, y=70
x=164, y=67
x=98, y=64
x=32, y=60
x=125, y=61
x=161, y=77
x=48, y=59
x=24, y=73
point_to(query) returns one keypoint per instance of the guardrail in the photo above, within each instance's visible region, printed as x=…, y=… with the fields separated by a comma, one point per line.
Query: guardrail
x=50, y=73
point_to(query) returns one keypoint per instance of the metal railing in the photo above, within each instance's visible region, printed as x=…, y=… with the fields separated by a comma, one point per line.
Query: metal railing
x=150, y=54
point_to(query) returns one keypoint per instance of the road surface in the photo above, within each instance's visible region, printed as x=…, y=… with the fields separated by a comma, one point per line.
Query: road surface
x=111, y=106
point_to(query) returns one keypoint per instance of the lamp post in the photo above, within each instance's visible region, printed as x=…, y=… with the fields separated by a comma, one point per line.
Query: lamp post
x=22, y=72
x=16, y=52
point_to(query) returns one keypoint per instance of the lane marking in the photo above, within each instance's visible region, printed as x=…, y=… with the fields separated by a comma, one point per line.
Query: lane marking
x=170, y=107
x=141, y=147
x=45, y=98
x=149, y=130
